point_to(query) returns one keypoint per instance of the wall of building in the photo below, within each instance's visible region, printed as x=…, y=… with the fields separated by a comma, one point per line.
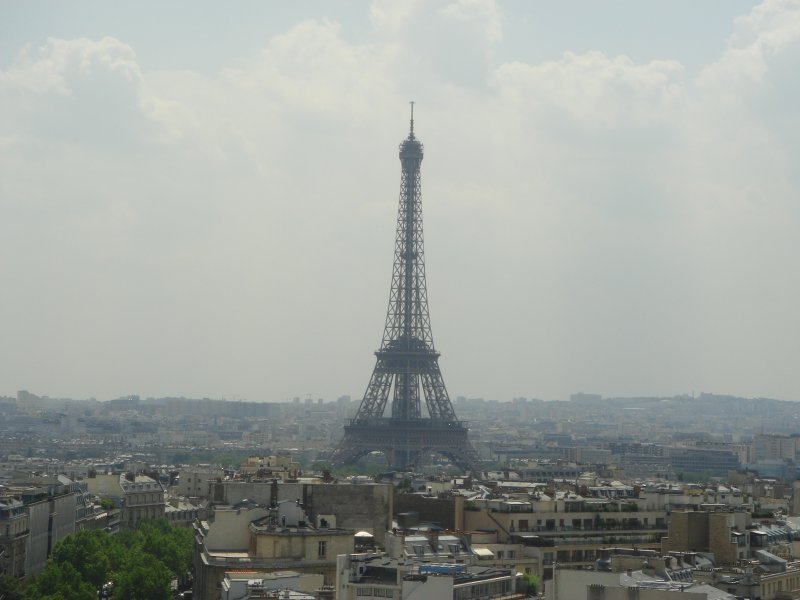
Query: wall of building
x=719, y=538
x=511, y=555
x=231, y=529
x=774, y=447
x=688, y=532
x=13, y=537
x=601, y=592
x=432, y=588
x=62, y=517
x=447, y=512
x=766, y=586
x=143, y=498
x=209, y=575
x=572, y=583
x=193, y=483
x=38, y=538
x=701, y=531
x=795, y=498
x=104, y=485
x=311, y=546
x=357, y=507
x=508, y=523
x=235, y=585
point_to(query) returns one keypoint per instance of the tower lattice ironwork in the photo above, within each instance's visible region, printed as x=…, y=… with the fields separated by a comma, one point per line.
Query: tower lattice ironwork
x=407, y=362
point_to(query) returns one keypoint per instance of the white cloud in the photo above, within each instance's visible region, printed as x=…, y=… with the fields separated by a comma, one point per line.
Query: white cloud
x=391, y=16
x=482, y=15
x=80, y=90
x=52, y=67
x=311, y=69
x=592, y=222
x=593, y=90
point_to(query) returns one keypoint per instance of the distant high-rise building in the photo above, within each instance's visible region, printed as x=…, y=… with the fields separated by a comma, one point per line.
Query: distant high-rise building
x=581, y=397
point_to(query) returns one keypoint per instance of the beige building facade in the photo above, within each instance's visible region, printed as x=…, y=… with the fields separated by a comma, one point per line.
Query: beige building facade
x=13, y=537
x=138, y=496
x=722, y=533
x=278, y=538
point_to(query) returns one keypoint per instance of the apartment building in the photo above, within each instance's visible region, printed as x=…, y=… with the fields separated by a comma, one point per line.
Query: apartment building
x=279, y=537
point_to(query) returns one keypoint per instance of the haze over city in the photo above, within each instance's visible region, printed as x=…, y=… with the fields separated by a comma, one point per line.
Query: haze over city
x=200, y=200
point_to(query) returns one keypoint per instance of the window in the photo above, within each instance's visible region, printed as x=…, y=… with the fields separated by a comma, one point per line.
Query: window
x=322, y=548
x=364, y=591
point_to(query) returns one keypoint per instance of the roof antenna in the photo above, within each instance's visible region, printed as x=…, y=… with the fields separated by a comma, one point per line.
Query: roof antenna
x=411, y=135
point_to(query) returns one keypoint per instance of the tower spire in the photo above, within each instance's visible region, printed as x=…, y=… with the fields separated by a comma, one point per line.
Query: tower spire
x=411, y=135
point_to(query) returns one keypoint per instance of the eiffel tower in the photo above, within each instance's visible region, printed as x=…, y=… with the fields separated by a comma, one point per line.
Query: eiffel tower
x=407, y=359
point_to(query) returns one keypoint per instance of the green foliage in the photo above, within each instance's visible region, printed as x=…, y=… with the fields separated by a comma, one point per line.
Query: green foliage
x=10, y=588
x=60, y=581
x=533, y=582
x=364, y=467
x=224, y=459
x=172, y=546
x=106, y=503
x=405, y=486
x=140, y=564
x=696, y=476
x=228, y=460
x=143, y=578
x=87, y=553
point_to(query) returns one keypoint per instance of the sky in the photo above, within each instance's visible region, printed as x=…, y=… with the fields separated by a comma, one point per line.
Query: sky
x=198, y=199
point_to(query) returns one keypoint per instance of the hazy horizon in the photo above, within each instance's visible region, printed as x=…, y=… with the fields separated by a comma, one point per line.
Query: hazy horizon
x=357, y=399
x=199, y=199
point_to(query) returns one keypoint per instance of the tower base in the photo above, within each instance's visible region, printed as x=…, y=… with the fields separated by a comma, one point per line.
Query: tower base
x=406, y=443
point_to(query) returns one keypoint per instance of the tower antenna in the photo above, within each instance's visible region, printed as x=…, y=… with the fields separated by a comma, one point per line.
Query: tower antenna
x=411, y=135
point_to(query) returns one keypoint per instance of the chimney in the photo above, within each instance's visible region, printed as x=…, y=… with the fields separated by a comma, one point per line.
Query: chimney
x=273, y=493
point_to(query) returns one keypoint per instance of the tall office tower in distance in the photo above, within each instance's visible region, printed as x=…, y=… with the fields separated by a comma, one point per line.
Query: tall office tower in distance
x=407, y=365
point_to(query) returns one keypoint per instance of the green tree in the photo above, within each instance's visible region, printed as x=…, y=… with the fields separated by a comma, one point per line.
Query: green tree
x=173, y=546
x=60, y=581
x=140, y=564
x=10, y=588
x=533, y=582
x=143, y=577
x=89, y=553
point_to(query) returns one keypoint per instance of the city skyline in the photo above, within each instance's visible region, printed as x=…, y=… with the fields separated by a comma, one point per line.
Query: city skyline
x=200, y=203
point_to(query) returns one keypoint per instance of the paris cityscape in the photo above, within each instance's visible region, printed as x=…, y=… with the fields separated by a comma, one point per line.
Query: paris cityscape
x=584, y=387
